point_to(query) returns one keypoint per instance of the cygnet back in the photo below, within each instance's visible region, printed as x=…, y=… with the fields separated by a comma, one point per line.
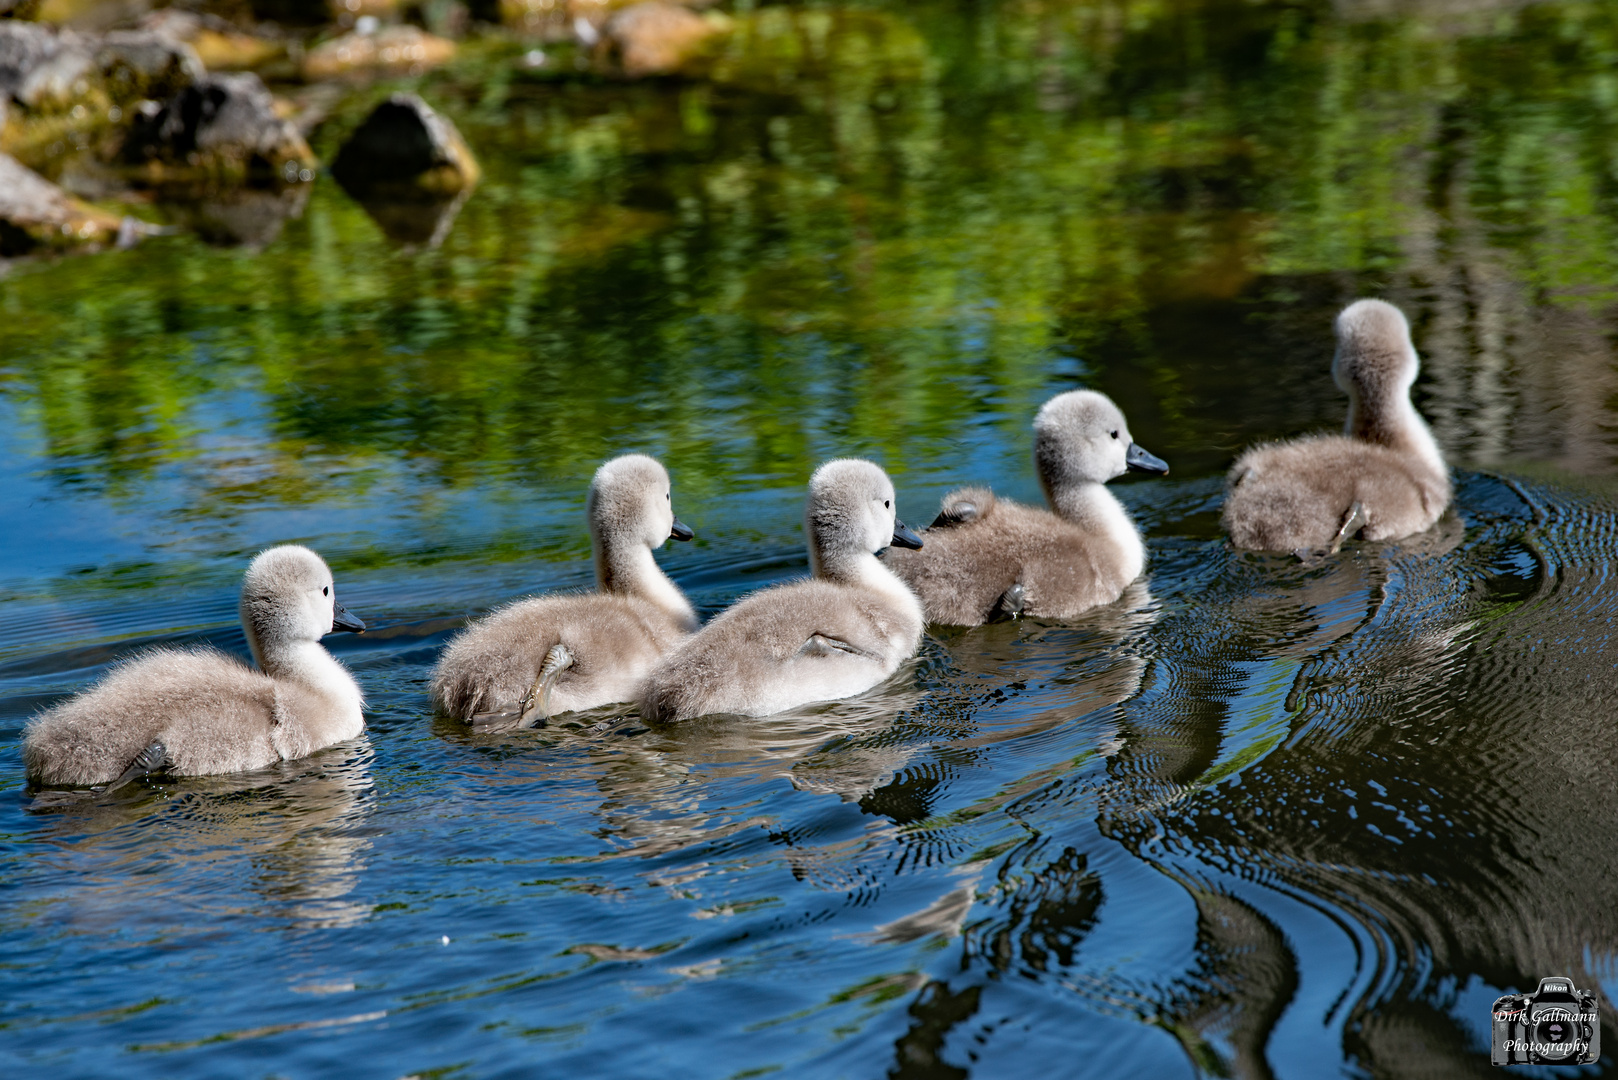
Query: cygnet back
x=833, y=636
x=547, y=655
x=206, y=712
x=1384, y=478
x=988, y=557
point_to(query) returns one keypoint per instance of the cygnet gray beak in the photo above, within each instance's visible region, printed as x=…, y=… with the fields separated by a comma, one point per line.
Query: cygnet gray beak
x=1140, y=460
x=344, y=620
x=680, y=531
x=904, y=537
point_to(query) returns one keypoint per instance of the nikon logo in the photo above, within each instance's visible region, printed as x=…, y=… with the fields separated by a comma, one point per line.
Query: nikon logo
x=1541, y=1029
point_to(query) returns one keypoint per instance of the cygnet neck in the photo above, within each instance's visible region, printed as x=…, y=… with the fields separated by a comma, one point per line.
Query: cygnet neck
x=1390, y=419
x=1092, y=507
x=306, y=662
x=862, y=570
x=1083, y=502
x=627, y=568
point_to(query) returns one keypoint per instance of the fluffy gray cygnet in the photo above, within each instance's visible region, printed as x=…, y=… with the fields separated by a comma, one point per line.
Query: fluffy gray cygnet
x=990, y=558
x=1382, y=479
x=197, y=712
x=833, y=636
x=553, y=654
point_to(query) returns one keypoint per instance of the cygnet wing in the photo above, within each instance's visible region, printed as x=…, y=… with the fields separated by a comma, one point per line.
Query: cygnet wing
x=787, y=646
x=210, y=711
x=614, y=641
x=965, y=570
x=1296, y=495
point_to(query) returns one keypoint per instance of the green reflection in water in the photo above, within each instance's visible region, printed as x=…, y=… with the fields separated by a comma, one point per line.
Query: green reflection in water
x=887, y=230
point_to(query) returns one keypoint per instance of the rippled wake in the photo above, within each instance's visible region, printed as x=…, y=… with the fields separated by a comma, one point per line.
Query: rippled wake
x=1259, y=818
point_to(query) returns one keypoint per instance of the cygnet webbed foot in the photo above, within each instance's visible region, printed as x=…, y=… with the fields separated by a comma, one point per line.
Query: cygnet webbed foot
x=821, y=645
x=538, y=698
x=1011, y=603
x=956, y=513
x=150, y=760
x=1353, y=521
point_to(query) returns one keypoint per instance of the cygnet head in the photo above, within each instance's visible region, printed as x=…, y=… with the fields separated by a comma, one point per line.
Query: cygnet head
x=1081, y=437
x=1376, y=360
x=288, y=598
x=851, y=513
x=630, y=503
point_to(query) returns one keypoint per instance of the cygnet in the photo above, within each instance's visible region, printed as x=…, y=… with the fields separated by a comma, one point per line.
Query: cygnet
x=197, y=712
x=835, y=635
x=547, y=655
x=989, y=558
x=1382, y=479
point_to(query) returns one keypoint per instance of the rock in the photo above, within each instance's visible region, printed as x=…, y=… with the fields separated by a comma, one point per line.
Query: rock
x=405, y=150
x=40, y=67
x=578, y=21
x=409, y=168
x=218, y=43
x=223, y=127
x=140, y=64
x=658, y=38
x=35, y=213
x=392, y=50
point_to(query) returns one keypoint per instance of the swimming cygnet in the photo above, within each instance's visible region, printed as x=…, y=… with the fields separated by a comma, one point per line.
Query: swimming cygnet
x=1382, y=479
x=988, y=558
x=554, y=654
x=197, y=712
x=833, y=636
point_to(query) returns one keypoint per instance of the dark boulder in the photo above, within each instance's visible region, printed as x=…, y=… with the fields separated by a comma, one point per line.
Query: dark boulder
x=409, y=168
x=403, y=150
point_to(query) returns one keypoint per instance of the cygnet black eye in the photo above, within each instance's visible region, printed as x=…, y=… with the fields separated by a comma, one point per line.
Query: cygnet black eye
x=887, y=504
x=325, y=590
x=1115, y=434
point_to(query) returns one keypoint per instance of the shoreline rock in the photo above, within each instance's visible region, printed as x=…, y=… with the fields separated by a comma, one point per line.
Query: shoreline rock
x=659, y=38
x=221, y=128
x=36, y=214
x=392, y=50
